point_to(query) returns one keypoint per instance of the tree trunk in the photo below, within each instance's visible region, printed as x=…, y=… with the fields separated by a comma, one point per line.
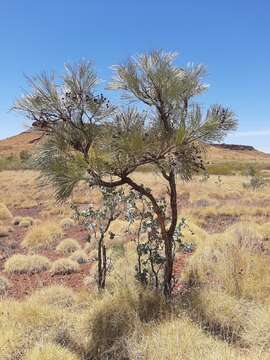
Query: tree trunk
x=102, y=264
x=169, y=252
x=168, y=271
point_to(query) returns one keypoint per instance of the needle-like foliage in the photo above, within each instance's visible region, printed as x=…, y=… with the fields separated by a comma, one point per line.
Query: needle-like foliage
x=89, y=139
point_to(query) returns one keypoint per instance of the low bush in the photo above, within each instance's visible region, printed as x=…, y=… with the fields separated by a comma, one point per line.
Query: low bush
x=64, y=267
x=26, y=264
x=68, y=246
x=12, y=163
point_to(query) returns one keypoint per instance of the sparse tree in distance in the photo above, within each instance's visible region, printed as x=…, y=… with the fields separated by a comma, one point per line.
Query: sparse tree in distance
x=89, y=139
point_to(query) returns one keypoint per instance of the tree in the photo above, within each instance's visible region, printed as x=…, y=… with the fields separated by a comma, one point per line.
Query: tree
x=89, y=139
x=98, y=222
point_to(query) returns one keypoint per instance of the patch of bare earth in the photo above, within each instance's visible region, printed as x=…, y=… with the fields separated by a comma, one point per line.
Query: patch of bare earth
x=25, y=284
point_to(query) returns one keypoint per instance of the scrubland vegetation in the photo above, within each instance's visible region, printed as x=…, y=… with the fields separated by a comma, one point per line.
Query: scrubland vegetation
x=131, y=250
x=220, y=309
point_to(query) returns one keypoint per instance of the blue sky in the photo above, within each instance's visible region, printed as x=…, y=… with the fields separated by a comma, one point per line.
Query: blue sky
x=230, y=37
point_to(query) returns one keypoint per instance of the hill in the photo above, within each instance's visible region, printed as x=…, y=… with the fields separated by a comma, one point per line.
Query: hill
x=24, y=141
x=222, y=158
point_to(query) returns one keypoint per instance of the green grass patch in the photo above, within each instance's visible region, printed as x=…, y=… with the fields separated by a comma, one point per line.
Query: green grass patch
x=236, y=168
x=13, y=163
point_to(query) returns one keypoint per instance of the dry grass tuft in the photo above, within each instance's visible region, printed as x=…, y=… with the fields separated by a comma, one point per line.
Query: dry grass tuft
x=181, y=339
x=30, y=324
x=12, y=343
x=42, y=236
x=56, y=295
x=4, y=285
x=64, y=267
x=67, y=223
x=194, y=234
x=113, y=319
x=26, y=222
x=80, y=256
x=4, y=231
x=5, y=214
x=50, y=351
x=16, y=220
x=233, y=262
x=256, y=333
x=26, y=264
x=68, y=246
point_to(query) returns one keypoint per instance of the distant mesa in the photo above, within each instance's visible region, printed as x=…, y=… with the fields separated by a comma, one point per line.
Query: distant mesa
x=27, y=140
x=234, y=147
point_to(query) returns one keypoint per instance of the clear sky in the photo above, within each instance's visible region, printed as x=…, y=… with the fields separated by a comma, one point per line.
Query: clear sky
x=231, y=37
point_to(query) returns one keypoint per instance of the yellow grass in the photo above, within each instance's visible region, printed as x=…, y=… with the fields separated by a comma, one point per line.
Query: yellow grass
x=42, y=236
x=56, y=295
x=4, y=285
x=181, y=339
x=68, y=246
x=50, y=351
x=27, y=264
x=80, y=256
x=5, y=214
x=228, y=225
x=64, y=266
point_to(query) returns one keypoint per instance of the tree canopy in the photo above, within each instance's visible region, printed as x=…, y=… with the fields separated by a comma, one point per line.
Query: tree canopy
x=88, y=138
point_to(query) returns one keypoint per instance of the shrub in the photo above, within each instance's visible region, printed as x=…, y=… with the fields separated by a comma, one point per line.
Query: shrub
x=67, y=223
x=68, y=246
x=26, y=264
x=55, y=295
x=50, y=352
x=80, y=256
x=5, y=214
x=24, y=155
x=64, y=267
x=42, y=236
x=4, y=285
x=256, y=182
